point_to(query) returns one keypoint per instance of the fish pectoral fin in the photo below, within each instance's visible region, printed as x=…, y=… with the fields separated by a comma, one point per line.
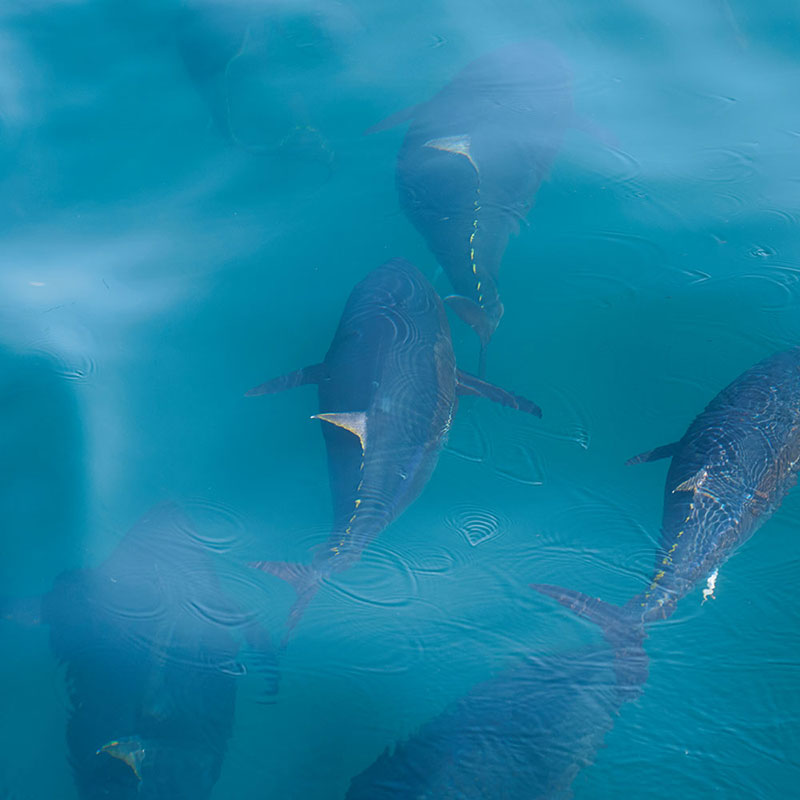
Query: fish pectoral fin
x=299, y=377
x=131, y=751
x=353, y=421
x=398, y=118
x=460, y=145
x=694, y=483
x=665, y=451
x=469, y=384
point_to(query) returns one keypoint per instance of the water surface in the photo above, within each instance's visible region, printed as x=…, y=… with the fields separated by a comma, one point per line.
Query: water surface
x=188, y=198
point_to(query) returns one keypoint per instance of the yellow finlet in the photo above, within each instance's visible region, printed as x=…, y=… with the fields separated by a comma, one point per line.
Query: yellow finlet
x=460, y=145
x=353, y=421
x=130, y=750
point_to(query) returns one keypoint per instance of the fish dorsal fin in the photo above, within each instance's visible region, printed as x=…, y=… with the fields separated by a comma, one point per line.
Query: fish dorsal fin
x=693, y=483
x=130, y=750
x=353, y=421
x=461, y=145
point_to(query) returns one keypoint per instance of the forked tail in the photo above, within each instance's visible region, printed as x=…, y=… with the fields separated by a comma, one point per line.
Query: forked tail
x=479, y=320
x=622, y=627
x=303, y=578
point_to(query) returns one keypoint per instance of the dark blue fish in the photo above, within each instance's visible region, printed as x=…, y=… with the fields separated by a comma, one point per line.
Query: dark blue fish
x=150, y=646
x=729, y=473
x=522, y=735
x=472, y=161
x=388, y=390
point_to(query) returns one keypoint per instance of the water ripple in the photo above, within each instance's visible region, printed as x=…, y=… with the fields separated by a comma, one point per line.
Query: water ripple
x=572, y=423
x=437, y=560
x=477, y=525
x=222, y=526
x=467, y=439
x=726, y=165
x=521, y=463
x=79, y=368
x=383, y=578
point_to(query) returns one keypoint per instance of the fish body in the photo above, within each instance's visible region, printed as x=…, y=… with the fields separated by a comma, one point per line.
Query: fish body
x=149, y=644
x=388, y=390
x=729, y=473
x=521, y=735
x=472, y=161
x=392, y=358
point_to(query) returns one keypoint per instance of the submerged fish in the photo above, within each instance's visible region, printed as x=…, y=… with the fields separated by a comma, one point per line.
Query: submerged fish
x=260, y=67
x=729, y=473
x=148, y=641
x=388, y=390
x=472, y=161
x=522, y=735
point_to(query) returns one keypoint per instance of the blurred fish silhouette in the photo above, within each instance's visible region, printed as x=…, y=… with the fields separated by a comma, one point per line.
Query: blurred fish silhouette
x=523, y=734
x=472, y=161
x=150, y=645
x=388, y=390
x=257, y=66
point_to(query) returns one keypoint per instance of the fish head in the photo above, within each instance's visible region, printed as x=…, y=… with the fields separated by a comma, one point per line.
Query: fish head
x=396, y=285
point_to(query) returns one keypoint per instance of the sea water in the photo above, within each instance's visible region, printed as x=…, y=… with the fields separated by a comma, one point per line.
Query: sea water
x=188, y=197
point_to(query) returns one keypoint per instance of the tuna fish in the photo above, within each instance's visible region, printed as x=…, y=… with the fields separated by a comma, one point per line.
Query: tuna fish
x=472, y=161
x=150, y=645
x=388, y=390
x=729, y=473
x=522, y=735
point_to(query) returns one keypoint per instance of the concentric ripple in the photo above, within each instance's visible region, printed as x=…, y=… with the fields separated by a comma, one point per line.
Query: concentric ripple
x=216, y=526
x=477, y=525
x=78, y=368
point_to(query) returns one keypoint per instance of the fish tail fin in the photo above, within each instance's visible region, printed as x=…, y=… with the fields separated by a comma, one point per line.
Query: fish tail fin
x=473, y=314
x=482, y=320
x=304, y=579
x=622, y=628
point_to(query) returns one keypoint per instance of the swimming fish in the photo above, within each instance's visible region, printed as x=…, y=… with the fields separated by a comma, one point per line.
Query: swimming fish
x=472, y=161
x=150, y=644
x=729, y=473
x=388, y=390
x=522, y=734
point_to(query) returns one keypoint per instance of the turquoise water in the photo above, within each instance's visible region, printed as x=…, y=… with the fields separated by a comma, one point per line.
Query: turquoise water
x=175, y=231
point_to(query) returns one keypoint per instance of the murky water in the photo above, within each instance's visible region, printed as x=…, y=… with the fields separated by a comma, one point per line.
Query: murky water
x=188, y=198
